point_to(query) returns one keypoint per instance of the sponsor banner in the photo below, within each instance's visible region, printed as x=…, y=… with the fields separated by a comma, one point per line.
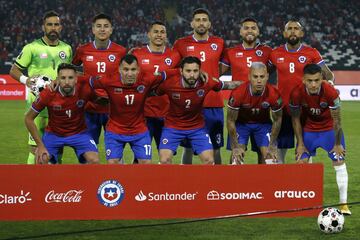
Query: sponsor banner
x=156, y=191
x=10, y=89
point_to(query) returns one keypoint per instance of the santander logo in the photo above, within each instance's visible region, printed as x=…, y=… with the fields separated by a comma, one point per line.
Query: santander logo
x=69, y=196
x=140, y=197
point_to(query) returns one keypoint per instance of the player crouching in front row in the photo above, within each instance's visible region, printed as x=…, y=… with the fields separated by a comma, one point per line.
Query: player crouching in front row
x=249, y=113
x=185, y=120
x=317, y=103
x=66, y=125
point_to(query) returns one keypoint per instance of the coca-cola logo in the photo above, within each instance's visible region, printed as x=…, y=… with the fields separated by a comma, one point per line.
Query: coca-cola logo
x=73, y=196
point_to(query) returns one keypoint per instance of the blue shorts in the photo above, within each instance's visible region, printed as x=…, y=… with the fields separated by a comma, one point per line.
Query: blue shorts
x=254, y=146
x=214, y=123
x=199, y=138
x=324, y=140
x=139, y=143
x=80, y=142
x=260, y=132
x=286, y=134
x=155, y=126
x=94, y=123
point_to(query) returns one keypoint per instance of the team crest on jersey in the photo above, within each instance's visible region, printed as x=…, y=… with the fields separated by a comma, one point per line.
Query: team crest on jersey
x=239, y=54
x=118, y=90
x=140, y=88
x=302, y=59
x=265, y=104
x=165, y=141
x=214, y=46
x=175, y=96
x=89, y=58
x=80, y=103
x=62, y=55
x=200, y=92
x=259, y=53
x=112, y=58
x=57, y=107
x=168, y=61
x=323, y=104
x=108, y=152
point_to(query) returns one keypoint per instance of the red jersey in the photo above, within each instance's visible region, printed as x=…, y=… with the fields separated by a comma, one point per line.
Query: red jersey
x=240, y=60
x=151, y=62
x=186, y=104
x=255, y=108
x=210, y=52
x=126, y=102
x=97, y=62
x=315, y=108
x=66, y=113
x=290, y=65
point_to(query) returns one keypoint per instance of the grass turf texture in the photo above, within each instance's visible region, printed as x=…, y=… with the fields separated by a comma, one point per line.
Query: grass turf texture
x=13, y=150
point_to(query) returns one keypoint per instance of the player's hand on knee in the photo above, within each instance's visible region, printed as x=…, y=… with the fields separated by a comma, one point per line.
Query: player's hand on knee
x=42, y=156
x=238, y=155
x=299, y=151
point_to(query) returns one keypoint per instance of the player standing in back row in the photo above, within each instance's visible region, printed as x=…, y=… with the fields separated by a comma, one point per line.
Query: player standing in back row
x=99, y=57
x=209, y=49
x=41, y=57
x=290, y=60
x=156, y=57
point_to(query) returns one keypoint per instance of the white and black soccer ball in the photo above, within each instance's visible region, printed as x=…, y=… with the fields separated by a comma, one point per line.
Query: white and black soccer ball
x=331, y=220
x=39, y=84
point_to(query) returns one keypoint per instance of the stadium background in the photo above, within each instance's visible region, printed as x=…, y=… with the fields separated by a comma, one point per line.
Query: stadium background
x=333, y=27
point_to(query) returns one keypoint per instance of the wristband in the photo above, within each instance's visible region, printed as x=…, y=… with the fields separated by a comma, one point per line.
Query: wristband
x=23, y=79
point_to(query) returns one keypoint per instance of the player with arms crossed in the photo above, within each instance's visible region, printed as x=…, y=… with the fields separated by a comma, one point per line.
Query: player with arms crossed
x=249, y=114
x=185, y=120
x=66, y=106
x=315, y=105
x=41, y=57
x=99, y=57
x=156, y=57
x=290, y=60
x=209, y=49
x=240, y=58
x=127, y=91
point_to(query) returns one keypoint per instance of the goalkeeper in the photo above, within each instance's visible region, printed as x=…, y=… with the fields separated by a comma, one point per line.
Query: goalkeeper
x=41, y=57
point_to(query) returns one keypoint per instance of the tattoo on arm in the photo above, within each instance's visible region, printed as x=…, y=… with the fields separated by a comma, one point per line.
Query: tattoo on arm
x=231, y=119
x=336, y=116
x=295, y=119
x=231, y=85
x=276, y=125
x=327, y=73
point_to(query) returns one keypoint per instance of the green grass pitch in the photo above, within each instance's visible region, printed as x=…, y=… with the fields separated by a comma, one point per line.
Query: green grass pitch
x=13, y=150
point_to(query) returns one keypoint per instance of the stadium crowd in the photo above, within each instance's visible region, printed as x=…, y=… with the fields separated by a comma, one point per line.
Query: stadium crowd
x=331, y=26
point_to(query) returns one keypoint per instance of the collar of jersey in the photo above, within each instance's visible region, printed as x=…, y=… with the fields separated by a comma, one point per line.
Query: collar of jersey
x=108, y=46
x=162, y=52
x=42, y=39
x=296, y=50
x=251, y=93
x=193, y=36
x=256, y=46
x=62, y=94
x=183, y=83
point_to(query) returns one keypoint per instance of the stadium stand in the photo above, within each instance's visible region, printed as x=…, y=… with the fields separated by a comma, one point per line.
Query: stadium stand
x=333, y=27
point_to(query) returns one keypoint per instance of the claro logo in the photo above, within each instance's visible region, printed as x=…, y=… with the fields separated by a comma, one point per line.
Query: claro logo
x=15, y=199
x=294, y=194
x=151, y=196
x=69, y=196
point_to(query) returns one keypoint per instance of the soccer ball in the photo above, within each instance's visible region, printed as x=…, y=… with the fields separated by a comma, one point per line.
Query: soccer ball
x=40, y=83
x=331, y=220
